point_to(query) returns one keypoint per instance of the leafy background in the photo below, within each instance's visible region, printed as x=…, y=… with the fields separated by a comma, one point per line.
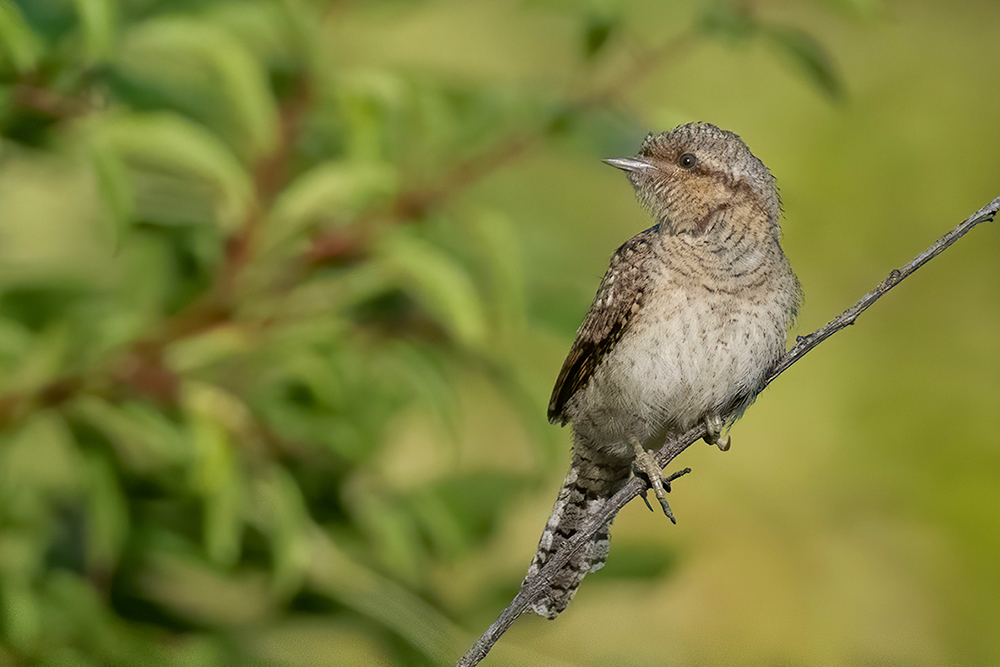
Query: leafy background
x=284, y=285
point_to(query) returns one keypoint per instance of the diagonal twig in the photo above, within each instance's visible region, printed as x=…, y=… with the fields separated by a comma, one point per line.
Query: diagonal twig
x=532, y=587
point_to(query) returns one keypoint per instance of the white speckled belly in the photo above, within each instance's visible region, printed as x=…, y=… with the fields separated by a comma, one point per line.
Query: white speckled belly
x=694, y=356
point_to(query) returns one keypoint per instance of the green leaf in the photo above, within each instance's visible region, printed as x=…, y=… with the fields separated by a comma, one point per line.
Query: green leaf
x=19, y=612
x=115, y=188
x=107, y=513
x=18, y=42
x=287, y=35
x=75, y=611
x=170, y=141
x=328, y=397
x=214, y=346
x=217, y=476
x=99, y=24
x=367, y=101
x=330, y=190
x=501, y=246
x=42, y=437
x=178, y=47
x=808, y=56
x=280, y=513
x=145, y=440
x=439, y=282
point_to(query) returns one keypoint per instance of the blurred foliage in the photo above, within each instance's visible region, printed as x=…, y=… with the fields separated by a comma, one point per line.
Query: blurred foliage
x=204, y=355
x=255, y=305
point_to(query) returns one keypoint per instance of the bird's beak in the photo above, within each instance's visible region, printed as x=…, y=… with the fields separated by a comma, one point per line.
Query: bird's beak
x=629, y=164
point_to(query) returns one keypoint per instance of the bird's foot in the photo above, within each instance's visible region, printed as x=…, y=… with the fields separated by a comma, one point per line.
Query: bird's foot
x=645, y=464
x=714, y=426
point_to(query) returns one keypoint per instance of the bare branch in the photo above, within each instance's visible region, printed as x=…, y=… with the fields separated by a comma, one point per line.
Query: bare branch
x=533, y=587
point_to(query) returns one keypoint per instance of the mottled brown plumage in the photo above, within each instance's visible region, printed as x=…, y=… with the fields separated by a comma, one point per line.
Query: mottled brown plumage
x=687, y=321
x=619, y=297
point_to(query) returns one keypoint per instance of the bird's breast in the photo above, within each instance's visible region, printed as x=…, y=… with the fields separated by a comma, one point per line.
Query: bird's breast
x=690, y=352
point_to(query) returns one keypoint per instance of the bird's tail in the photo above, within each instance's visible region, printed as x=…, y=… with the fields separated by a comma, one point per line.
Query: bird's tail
x=592, y=479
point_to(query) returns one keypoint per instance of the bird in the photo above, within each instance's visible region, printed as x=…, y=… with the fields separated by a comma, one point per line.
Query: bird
x=687, y=321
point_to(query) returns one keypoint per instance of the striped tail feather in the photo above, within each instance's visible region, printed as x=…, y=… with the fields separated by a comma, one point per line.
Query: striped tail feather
x=591, y=481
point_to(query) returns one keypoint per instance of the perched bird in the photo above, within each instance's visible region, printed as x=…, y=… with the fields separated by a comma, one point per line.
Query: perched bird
x=688, y=320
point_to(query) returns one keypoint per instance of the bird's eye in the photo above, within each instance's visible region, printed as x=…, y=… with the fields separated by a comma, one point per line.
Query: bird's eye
x=688, y=161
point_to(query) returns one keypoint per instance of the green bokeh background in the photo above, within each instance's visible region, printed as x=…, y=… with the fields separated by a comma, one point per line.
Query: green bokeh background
x=284, y=285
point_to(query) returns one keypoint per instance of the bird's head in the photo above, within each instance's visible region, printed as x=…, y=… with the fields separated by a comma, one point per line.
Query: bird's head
x=697, y=176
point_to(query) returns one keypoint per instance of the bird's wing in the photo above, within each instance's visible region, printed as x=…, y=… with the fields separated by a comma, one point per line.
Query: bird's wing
x=620, y=297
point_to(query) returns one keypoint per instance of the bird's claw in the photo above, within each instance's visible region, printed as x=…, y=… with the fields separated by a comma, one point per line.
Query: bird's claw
x=645, y=464
x=713, y=435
